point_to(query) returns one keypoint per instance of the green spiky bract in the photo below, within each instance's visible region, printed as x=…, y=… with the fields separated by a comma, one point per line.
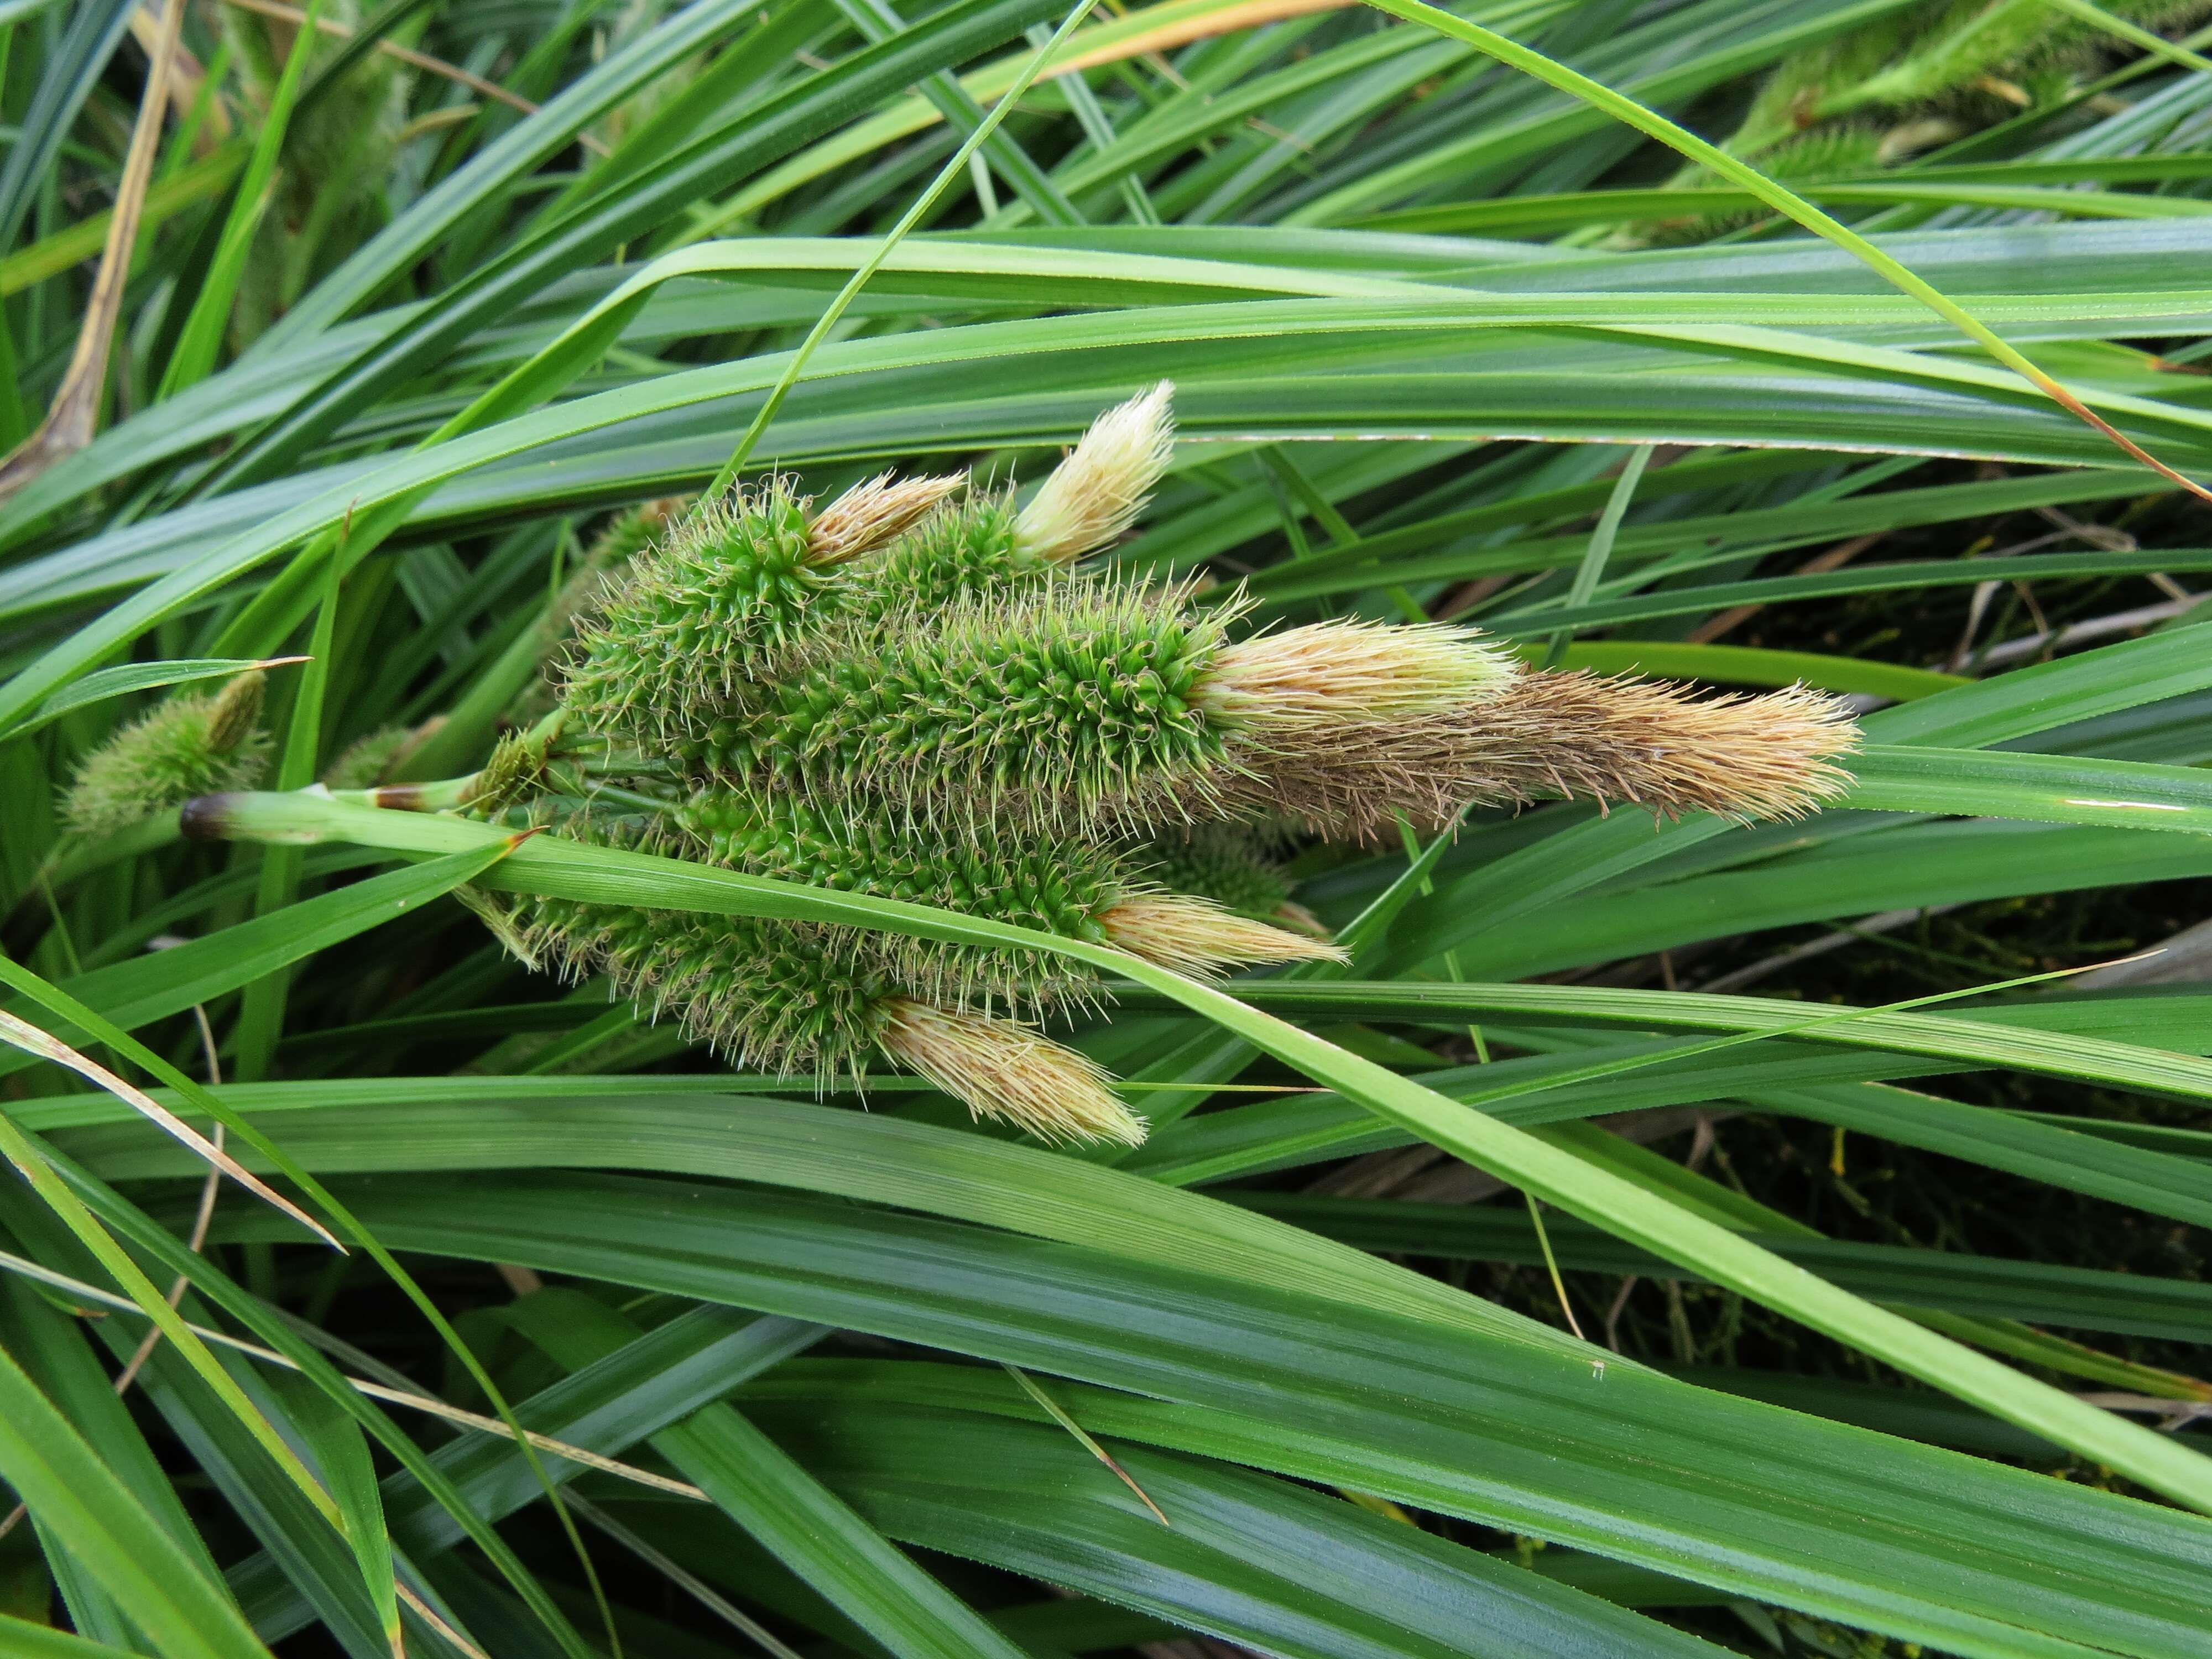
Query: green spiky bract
x=1058, y=884
x=1224, y=862
x=696, y=618
x=189, y=745
x=1067, y=708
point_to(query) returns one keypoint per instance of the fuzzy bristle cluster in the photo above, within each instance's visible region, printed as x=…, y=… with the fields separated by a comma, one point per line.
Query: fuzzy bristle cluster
x=190, y=745
x=920, y=694
x=1228, y=863
x=1330, y=676
x=1009, y=1072
x=1094, y=495
x=873, y=513
x=1549, y=736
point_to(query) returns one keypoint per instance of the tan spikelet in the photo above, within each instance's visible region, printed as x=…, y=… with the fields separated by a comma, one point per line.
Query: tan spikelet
x=870, y=513
x=1009, y=1072
x=1198, y=936
x=1096, y=492
x=1333, y=673
x=1550, y=735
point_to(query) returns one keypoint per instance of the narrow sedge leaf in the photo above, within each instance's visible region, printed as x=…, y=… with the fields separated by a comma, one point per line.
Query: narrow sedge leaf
x=106, y=1528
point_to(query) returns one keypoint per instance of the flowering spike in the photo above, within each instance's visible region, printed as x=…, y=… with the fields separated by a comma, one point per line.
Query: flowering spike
x=1065, y=706
x=1198, y=936
x=1220, y=862
x=189, y=745
x=1059, y=885
x=1334, y=674
x=1550, y=735
x=362, y=763
x=1009, y=1072
x=1095, y=493
x=871, y=513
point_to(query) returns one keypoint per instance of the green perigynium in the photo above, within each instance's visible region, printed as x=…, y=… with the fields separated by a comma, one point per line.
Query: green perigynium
x=190, y=745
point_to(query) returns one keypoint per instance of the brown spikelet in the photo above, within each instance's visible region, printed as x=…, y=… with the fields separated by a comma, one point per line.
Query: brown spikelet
x=1640, y=742
x=872, y=512
x=1008, y=1071
x=1327, y=674
x=1198, y=936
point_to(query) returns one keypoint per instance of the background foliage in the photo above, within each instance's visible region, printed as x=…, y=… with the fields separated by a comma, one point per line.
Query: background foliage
x=1827, y=1325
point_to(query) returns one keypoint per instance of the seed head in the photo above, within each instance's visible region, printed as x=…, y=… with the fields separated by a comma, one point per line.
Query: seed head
x=1224, y=862
x=1009, y=1072
x=1096, y=492
x=1326, y=676
x=1056, y=884
x=189, y=745
x=871, y=513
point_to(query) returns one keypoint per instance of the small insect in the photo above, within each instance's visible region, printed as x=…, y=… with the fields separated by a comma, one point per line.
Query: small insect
x=1597, y=1370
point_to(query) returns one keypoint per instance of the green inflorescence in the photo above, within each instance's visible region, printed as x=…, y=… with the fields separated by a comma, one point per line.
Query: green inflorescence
x=1067, y=713
x=778, y=996
x=696, y=618
x=911, y=699
x=362, y=763
x=965, y=548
